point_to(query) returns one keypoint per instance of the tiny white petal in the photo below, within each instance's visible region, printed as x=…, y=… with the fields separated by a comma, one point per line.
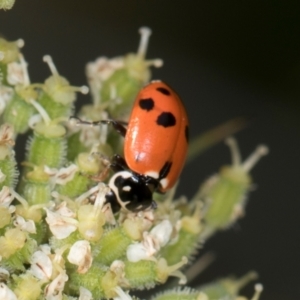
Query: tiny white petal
x=50, y=171
x=63, y=175
x=28, y=226
x=6, y=293
x=121, y=294
x=118, y=268
x=102, y=68
x=53, y=291
x=162, y=232
x=33, y=120
x=41, y=265
x=63, y=210
x=117, y=265
x=11, y=209
x=61, y=226
x=80, y=255
x=85, y=294
x=15, y=73
x=5, y=197
x=136, y=252
x=7, y=134
x=45, y=248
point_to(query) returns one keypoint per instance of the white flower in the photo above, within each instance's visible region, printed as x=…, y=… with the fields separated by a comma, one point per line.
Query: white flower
x=41, y=265
x=118, y=269
x=63, y=175
x=102, y=68
x=99, y=71
x=45, y=248
x=28, y=226
x=6, y=199
x=152, y=242
x=80, y=255
x=6, y=293
x=136, y=252
x=90, y=134
x=7, y=135
x=15, y=73
x=162, y=232
x=53, y=291
x=62, y=222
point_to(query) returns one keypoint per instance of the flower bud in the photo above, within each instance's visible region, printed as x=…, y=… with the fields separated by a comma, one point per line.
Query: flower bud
x=224, y=194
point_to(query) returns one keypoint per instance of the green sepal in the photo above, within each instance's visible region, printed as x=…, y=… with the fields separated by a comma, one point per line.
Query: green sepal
x=227, y=288
x=75, y=146
x=46, y=151
x=8, y=167
x=17, y=113
x=10, y=50
x=90, y=280
x=112, y=245
x=77, y=186
x=141, y=274
x=36, y=192
x=55, y=109
x=180, y=294
x=225, y=194
x=185, y=246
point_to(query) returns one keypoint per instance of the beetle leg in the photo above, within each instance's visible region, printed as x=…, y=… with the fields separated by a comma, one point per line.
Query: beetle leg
x=118, y=125
x=118, y=163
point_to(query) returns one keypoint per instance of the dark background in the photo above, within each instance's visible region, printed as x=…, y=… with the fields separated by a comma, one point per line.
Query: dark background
x=226, y=59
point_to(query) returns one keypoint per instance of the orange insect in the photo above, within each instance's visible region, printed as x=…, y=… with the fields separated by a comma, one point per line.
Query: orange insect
x=155, y=147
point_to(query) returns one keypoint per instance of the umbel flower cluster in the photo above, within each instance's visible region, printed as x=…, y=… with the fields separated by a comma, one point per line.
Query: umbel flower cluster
x=59, y=238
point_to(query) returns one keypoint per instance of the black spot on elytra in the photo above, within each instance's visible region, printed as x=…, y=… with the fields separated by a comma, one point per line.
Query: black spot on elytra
x=187, y=134
x=163, y=173
x=146, y=104
x=163, y=91
x=166, y=119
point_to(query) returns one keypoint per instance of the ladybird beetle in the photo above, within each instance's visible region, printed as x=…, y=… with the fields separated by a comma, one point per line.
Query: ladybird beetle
x=155, y=147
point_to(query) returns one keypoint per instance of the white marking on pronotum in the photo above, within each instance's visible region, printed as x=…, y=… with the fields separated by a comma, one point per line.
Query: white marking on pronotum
x=114, y=188
x=126, y=188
